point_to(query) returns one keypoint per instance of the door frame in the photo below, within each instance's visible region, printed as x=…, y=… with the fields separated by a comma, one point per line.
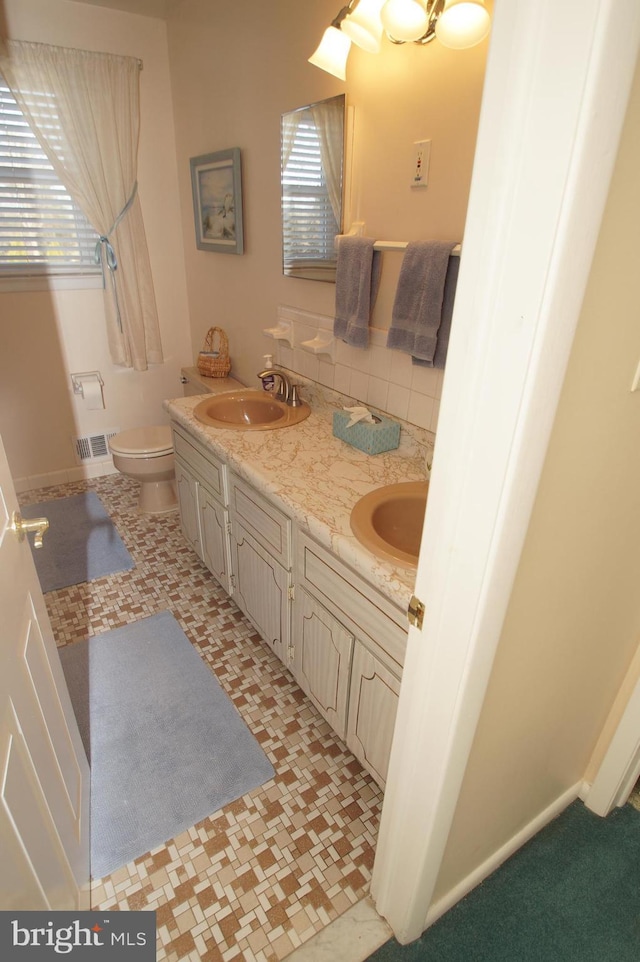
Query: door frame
x=619, y=769
x=558, y=79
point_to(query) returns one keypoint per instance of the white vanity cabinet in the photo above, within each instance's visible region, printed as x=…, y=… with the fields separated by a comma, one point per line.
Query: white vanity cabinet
x=348, y=650
x=321, y=659
x=187, y=489
x=374, y=693
x=342, y=639
x=204, y=518
x=261, y=564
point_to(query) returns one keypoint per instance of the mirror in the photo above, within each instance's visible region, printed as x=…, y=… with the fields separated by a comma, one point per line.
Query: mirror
x=312, y=174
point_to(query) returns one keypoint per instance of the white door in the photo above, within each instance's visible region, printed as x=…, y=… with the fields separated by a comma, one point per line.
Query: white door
x=44, y=775
x=558, y=79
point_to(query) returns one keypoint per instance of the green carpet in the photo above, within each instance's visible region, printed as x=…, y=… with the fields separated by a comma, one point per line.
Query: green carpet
x=571, y=894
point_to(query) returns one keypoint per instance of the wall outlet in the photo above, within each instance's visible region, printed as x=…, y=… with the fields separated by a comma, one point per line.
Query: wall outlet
x=420, y=164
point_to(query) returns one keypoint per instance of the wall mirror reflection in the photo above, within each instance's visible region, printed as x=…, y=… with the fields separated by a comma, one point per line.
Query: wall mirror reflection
x=312, y=174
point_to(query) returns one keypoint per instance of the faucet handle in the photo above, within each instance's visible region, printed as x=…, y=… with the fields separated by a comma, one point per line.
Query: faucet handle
x=294, y=396
x=282, y=393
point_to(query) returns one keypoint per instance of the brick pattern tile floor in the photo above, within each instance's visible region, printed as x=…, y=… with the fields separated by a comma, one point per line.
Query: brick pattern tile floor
x=267, y=872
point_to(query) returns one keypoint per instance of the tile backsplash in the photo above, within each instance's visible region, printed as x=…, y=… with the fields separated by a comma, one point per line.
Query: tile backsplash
x=378, y=376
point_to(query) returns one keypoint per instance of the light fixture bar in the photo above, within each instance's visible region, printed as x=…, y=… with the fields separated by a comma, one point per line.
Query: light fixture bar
x=457, y=24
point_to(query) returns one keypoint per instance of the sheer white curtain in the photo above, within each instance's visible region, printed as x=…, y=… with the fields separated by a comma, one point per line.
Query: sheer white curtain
x=329, y=121
x=84, y=108
x=289, y=129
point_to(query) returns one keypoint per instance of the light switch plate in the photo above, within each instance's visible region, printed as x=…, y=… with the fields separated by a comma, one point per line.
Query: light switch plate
x=420, y=168
x=636, y=380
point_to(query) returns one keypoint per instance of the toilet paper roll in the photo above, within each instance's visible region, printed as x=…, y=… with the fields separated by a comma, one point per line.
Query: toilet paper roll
x=92, y=394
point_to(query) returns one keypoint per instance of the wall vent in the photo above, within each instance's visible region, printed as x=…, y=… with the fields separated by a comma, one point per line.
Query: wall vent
x=93, y=447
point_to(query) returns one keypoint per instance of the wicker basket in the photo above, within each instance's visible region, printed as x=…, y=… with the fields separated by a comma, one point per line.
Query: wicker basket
x=214, y=360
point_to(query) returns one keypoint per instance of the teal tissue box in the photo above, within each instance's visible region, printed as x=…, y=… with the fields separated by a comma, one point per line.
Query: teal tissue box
x=384, y=435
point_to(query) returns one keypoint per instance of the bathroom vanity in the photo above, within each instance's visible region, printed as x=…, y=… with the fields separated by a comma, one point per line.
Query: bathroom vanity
x=268, y=514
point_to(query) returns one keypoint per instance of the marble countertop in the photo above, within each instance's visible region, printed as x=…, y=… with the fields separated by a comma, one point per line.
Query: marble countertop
x=316, y=478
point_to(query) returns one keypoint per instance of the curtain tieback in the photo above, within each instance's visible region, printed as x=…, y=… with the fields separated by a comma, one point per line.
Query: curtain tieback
x=110, y=258
x=110, y=254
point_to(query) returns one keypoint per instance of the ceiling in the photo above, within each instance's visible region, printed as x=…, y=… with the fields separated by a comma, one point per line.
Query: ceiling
x=147, y=8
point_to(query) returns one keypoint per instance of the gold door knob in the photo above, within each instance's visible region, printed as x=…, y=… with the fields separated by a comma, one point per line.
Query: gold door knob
x=21, y=525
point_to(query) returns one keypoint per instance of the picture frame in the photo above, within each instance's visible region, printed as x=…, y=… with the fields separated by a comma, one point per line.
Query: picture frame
x=216, y=182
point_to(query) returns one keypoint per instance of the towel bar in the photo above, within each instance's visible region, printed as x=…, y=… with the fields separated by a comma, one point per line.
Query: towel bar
x=357, y=230
x=381, y=245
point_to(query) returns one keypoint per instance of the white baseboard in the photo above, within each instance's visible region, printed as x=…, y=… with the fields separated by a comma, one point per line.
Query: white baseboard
x=80, y=473
x=502, y=854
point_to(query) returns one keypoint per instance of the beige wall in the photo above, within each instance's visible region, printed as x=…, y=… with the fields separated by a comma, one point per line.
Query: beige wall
x=573, y=623
x=46, y=336
x=235, y=68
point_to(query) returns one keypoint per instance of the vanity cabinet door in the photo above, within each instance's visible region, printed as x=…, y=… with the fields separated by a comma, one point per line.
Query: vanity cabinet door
x=187, y=488
x=373, y=703
x=214, y=522
x=261, y=588
x=322, y=650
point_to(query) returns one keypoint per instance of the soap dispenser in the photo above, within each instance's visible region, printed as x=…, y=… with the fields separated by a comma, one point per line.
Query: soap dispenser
x=268, y=383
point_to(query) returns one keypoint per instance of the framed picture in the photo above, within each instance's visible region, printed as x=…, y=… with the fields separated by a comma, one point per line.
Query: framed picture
x=216, y=182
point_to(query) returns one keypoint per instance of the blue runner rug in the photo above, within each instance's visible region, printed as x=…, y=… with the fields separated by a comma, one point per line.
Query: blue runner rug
x=167, y=747
x=81, y=543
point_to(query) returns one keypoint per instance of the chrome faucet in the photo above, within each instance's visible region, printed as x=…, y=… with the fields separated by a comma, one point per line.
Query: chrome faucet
x=284, y=388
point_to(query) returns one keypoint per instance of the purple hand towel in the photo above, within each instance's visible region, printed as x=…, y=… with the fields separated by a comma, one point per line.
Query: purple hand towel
x=417, y=309
x=357, y=279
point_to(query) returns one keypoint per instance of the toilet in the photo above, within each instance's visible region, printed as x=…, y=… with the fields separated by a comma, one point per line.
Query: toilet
x=146, y=455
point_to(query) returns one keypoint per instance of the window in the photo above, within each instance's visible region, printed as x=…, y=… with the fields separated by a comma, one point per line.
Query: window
x=42, y=231
x=309, y=225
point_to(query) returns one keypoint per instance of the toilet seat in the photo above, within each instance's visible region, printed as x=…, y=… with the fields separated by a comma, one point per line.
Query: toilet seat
x=151, y=442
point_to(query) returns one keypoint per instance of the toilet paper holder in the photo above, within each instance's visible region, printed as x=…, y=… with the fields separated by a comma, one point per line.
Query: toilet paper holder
x=77, y=380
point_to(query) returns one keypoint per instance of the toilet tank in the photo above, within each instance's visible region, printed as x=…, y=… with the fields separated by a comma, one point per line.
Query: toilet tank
x=195, y=383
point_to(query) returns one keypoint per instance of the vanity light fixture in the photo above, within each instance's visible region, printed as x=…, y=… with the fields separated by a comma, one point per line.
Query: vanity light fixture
x=333, y=50
x=455, y=23
x=363, y=25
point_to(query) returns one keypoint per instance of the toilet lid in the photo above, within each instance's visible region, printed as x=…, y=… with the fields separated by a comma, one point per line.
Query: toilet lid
x=143, y=442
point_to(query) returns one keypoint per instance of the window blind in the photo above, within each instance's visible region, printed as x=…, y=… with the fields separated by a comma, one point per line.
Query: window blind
x=309, y=225
x=41, y=229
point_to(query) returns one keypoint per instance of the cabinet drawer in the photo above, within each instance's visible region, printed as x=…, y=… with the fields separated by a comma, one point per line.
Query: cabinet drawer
x=266, y=523
x=368, y=614
x=210, y=469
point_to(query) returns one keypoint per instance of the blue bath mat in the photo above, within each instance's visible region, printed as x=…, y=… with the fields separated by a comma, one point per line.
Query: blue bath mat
x=167, y=747
x=81, y=543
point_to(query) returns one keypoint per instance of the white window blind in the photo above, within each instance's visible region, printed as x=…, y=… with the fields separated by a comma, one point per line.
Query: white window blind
x=41, y=229
x=309, y=226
